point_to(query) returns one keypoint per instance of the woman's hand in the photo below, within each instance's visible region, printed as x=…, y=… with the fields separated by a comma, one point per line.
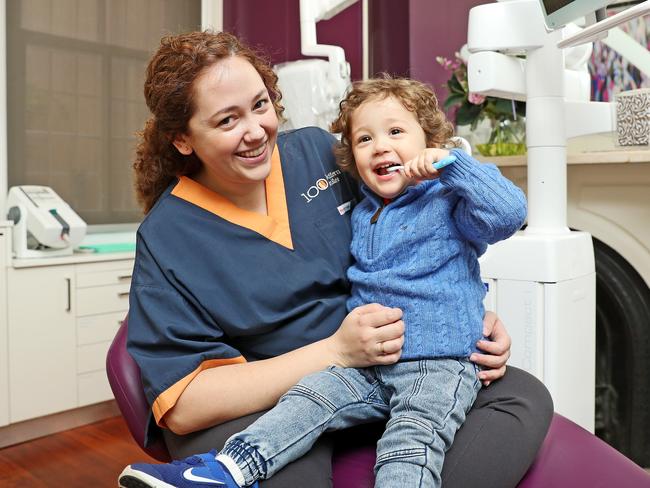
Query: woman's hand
x=369, y=335
x=497, y=349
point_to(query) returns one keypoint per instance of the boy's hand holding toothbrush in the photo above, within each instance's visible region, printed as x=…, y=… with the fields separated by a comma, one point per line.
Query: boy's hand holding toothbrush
x=427, y=164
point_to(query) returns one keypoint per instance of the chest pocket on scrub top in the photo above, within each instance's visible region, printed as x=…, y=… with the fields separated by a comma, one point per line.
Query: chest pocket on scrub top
x=335, y=233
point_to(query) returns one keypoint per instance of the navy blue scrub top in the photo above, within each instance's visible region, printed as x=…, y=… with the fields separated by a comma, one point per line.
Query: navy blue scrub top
x=214, y=284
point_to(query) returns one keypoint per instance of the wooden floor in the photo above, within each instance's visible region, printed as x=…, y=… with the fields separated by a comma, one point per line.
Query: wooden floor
x=89, y=456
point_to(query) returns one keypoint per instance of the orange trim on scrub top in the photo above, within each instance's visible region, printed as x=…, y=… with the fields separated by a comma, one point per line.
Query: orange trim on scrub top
x=168, y=398
x=274, y=226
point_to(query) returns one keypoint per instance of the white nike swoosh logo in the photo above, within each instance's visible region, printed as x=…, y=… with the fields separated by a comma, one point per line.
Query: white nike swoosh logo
x=188, y=475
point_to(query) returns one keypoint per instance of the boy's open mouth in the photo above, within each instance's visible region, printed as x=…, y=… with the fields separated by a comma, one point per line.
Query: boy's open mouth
x=381, y=170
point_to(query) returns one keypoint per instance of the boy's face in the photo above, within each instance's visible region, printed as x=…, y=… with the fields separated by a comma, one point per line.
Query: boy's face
x=384, y=133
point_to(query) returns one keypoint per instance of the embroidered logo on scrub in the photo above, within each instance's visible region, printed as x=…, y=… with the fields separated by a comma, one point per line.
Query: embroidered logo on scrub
x=332, y=178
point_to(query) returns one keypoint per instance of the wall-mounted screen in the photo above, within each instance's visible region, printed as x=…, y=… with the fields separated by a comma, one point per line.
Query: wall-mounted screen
x=558, y=13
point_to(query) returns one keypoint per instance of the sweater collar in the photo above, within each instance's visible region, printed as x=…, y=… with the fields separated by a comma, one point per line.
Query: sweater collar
x=409, y=194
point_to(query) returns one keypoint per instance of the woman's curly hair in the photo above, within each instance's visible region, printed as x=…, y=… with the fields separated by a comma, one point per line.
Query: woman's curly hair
x=417, y=97
x=169, y=94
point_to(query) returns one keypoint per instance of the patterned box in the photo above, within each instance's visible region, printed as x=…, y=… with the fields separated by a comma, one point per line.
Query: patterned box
x=633, y=117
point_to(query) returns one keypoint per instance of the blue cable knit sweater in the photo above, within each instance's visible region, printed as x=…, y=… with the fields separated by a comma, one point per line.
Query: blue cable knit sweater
x=421, y=254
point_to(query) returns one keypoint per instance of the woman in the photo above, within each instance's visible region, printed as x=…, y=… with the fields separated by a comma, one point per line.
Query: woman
x=239, y=284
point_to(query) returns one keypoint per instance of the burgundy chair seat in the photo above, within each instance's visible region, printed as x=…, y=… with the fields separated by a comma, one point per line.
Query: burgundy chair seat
x=569, y=457
x=124, y=378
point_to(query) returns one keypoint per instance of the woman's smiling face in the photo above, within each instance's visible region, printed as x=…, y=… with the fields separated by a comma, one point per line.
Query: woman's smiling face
x=234, y=128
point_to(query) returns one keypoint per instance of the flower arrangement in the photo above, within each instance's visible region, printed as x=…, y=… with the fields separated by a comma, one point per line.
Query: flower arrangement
x=505, y=117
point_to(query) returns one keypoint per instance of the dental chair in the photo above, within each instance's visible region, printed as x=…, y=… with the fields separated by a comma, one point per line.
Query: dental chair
x=569, y=457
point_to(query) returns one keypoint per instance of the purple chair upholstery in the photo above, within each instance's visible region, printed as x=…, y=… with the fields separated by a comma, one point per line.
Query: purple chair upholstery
x=124, y=378
x=569, y=457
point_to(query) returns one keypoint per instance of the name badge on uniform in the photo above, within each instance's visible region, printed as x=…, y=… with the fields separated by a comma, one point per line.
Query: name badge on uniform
x=344, y=207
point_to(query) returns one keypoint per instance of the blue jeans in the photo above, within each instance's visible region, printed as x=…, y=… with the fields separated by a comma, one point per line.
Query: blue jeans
x=425, y=401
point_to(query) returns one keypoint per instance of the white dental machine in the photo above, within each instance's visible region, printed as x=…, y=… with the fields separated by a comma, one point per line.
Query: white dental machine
x=313, y=88
x=542, y=280
x=44, y=224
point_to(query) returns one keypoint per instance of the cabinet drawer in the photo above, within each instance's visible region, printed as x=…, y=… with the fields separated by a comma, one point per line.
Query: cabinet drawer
x=104, y=277
x=102, y=299
x=93, y=388
x=98, y=328
x=92, y=357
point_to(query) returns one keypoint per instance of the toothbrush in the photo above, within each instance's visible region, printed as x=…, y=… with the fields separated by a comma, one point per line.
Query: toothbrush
x=437, y=165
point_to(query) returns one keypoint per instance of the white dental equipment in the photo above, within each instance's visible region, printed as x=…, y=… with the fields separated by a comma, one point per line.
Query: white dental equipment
x=312, y=88
x=558, y=13
x=542, y=280
x=601, y=28
x=44, y=224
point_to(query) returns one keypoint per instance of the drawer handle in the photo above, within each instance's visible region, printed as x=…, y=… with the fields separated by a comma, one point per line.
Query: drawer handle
x=69, y=286
x=124, y=277
x=123, y=294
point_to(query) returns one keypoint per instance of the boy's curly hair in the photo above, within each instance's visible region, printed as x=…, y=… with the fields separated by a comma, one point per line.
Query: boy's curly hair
x=417, y=97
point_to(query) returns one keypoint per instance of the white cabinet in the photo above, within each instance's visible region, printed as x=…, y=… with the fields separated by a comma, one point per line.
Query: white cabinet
x=61, y=321
x=42, y=341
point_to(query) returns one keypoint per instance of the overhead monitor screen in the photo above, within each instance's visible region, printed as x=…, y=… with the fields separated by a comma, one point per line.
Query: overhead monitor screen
x=558, y=13
x=553, y=5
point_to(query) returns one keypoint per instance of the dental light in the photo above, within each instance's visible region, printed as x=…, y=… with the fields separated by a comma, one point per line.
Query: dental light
x=312, y=88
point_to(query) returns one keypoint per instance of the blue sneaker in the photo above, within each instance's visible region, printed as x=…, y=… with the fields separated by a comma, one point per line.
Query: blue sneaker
x=193, y=472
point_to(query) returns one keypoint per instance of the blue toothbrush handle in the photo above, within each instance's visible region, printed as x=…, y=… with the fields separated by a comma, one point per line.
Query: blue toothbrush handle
x=437, y=165
x=444, y=162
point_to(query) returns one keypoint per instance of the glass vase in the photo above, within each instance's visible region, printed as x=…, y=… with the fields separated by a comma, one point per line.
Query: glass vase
x=507, y=138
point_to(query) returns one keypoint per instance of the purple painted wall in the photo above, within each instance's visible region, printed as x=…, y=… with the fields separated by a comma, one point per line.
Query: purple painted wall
x=405, y=35
x=251, y=21
x=437, y=29
x=274, y=28
x=389, y=37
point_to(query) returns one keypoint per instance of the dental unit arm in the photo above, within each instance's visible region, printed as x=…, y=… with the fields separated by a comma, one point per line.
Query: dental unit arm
x=311, y=12
x=313, y=88
x=44, y=224
x=542, y=280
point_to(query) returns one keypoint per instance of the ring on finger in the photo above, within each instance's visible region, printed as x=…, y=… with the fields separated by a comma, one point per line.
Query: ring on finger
x=381, y=348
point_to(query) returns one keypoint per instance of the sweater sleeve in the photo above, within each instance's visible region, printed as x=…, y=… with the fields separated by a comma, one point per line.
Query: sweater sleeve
x=490, y=207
